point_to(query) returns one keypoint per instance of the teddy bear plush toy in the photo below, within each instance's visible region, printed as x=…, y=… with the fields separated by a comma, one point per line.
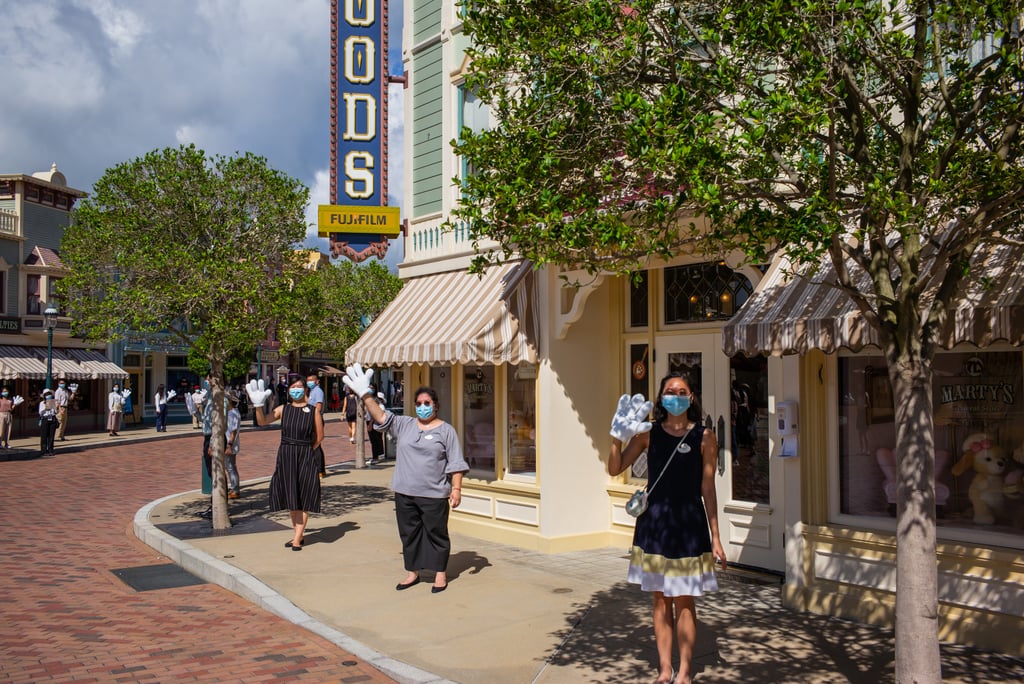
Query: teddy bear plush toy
x=989, y=462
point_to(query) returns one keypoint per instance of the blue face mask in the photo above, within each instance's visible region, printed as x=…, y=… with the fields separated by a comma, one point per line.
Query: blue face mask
x=296, y=393
x=675, y=404
x=310, y=384
x=423, y=411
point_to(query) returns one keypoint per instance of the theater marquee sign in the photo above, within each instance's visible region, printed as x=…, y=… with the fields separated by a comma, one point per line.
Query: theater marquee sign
x=357, y=224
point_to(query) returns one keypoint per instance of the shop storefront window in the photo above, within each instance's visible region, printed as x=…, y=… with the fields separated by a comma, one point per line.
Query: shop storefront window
x=478, y=413
x=703, y=292
x=748, y=408
x=979, y=440
x=638, y=296
x=522, y=420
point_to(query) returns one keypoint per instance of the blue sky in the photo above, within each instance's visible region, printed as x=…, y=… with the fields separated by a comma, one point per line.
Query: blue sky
x=88, y=84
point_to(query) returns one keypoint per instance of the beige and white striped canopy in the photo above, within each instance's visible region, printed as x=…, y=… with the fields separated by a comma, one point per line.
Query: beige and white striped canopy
x=791, y=314
x=456, y=317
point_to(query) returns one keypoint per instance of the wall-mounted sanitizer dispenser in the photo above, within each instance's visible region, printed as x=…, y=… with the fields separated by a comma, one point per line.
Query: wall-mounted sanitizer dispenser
x=786, y=416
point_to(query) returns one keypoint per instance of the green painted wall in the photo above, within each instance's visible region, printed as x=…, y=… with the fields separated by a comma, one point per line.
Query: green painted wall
x=427, y=130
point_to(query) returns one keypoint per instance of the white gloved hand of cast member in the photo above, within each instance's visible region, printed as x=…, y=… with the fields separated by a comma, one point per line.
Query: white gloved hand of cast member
x=358, y=380
x=18, y=399
x=73, y=387
x=126, y=393
x=171, y=394
x=258, y=392
x=631, y=417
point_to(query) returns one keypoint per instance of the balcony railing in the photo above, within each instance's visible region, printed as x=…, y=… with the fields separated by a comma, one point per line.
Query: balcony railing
x=9, y=222
x=428, y=241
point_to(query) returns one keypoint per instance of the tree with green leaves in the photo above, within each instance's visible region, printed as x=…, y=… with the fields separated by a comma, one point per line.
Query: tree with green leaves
x=340, y=295
x=877, y=136
x=200, y=246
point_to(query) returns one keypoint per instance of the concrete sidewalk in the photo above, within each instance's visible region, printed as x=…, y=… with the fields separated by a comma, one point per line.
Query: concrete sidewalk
x=510, y=614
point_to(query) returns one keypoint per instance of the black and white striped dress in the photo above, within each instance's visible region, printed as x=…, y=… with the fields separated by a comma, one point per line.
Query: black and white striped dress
x=295, y=485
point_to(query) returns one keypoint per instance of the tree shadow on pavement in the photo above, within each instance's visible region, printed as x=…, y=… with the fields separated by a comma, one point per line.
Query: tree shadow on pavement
x=744, y=634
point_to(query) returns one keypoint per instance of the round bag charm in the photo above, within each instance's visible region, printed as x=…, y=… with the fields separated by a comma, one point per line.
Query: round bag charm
x=637, y=503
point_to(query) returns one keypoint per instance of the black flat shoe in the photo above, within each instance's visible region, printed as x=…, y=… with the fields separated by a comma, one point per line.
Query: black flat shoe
x=290, y=545
x=437, y=590
x=402, y=587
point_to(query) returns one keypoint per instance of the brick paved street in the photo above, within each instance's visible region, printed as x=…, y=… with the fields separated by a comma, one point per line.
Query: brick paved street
x=67, y=618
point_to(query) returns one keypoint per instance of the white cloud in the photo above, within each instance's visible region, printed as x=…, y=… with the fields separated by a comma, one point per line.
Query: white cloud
x=122, y=27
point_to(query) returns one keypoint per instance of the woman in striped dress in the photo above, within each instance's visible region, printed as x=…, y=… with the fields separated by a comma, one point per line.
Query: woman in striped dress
x=295, y=485
x=675, y=542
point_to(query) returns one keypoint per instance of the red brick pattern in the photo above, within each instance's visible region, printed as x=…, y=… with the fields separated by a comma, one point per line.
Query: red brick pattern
x=64, y=617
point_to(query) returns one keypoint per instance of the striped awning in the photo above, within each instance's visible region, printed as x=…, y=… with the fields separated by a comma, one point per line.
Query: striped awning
x=65, y=367
x=456, y=317
x=21, y=363
x=98, y=366
x=791, y=314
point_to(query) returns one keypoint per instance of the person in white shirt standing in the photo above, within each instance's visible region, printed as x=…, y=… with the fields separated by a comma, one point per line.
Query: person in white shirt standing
x=62, y=396
x=115, y=409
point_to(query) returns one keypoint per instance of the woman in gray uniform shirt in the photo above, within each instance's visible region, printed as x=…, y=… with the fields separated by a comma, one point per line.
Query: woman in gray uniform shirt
x=428, y=478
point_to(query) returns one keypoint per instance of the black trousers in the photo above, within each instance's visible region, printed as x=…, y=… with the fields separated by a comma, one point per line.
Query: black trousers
x=46, y=433
x=376, y=443
x=423, y=529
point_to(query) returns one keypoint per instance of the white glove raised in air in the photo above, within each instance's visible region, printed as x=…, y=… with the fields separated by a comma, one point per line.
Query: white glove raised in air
x=202, y=394
x=73, y=387
x=358, y=380
x=127, y=393
x=631, y=417
x=258, y=392
x=18, y=399
x=171, y=394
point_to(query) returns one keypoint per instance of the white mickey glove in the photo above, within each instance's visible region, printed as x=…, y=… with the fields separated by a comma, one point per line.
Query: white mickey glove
x=171, y=394
x=258, y=392
x=202, y=394
x=358, y=380
x=18, y=399
x=127, y=393
x=73, y=387
x=631, y=417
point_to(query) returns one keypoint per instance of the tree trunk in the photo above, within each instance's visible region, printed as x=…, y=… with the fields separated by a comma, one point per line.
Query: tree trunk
x=221, y=520
x=917, y=636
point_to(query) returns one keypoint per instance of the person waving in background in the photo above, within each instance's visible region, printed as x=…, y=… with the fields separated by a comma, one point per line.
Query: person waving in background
x=7, y=406
x=115, y=409
x=160, y=400
x=63, y=397
x=47, y=423
x=427, y=480
x=676, y=541
x=295, y=484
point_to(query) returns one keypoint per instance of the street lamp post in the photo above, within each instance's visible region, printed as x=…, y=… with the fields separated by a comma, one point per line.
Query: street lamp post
x=50, y=321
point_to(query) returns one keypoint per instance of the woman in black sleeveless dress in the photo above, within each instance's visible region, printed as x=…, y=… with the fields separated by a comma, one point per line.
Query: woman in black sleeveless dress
x=676, y=541
x=295, y=485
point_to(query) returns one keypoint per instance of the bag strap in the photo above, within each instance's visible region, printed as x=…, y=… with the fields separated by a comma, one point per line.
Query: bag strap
x=686, y=434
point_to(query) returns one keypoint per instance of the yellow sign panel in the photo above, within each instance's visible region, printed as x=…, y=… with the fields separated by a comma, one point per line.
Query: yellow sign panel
x=332, y=218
